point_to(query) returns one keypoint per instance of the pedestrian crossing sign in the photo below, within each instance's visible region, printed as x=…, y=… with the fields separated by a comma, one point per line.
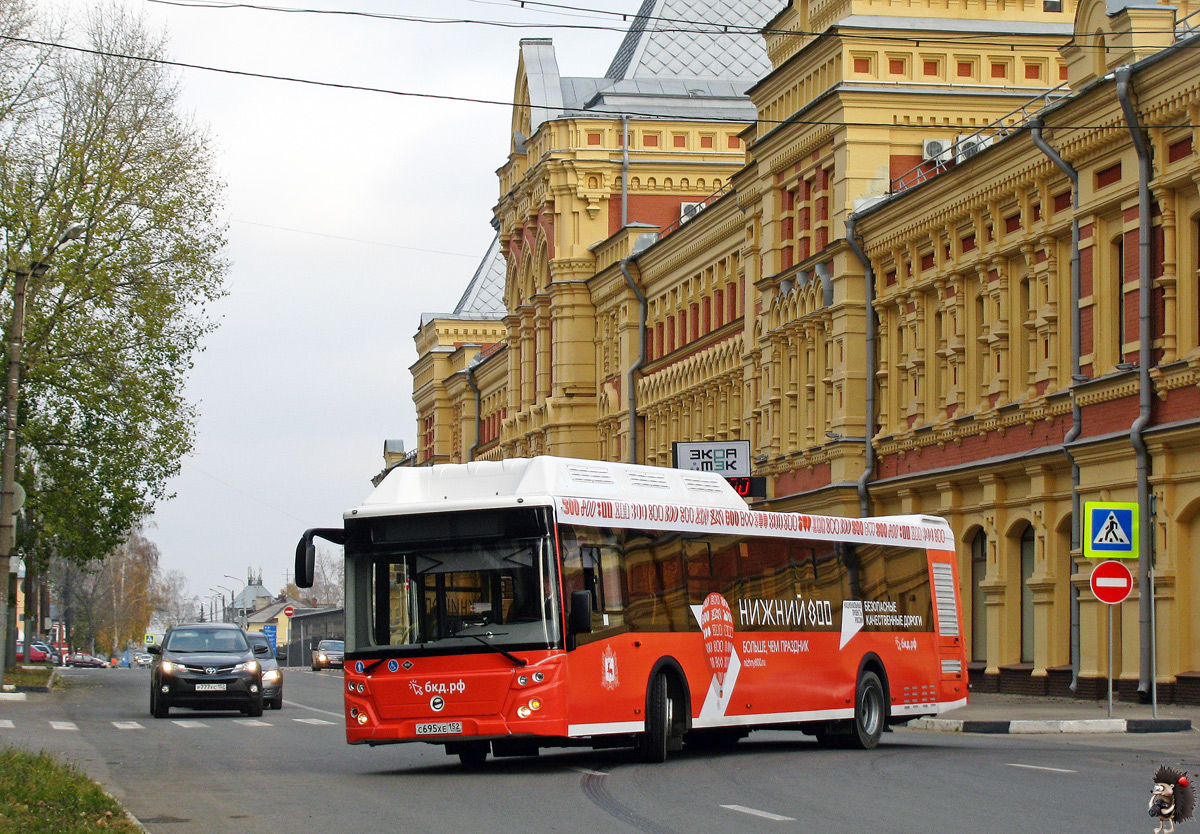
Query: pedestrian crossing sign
x=1110, y=530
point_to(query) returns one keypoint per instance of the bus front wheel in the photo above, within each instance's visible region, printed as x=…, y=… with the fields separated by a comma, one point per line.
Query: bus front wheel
x=870, y=713
x=652, y=745
x=473, y=754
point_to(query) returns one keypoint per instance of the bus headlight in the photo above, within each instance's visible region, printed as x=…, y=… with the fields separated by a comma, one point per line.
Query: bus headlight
x=535, y=704
x=522, y=680
x=524, y=711
x=362, y=718
x=538, y=677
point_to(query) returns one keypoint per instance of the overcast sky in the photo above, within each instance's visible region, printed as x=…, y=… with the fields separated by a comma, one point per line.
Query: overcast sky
x=350, y=213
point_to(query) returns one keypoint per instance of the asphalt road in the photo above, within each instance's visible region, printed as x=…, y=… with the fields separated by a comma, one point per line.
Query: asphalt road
x=291, y=772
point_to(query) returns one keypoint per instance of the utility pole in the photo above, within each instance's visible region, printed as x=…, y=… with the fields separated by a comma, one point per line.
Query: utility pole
x=12, y=399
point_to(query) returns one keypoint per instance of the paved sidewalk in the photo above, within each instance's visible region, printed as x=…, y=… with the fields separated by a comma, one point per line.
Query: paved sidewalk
x=993, y=713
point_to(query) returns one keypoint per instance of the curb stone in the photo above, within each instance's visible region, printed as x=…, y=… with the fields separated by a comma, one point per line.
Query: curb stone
x=1083, y=725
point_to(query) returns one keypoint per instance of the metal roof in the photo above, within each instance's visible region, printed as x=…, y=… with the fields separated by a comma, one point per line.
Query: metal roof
x=677, y=39
x=483, y=299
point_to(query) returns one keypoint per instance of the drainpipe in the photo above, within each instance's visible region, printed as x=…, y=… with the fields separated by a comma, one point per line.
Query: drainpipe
x=1076, y=377
x=641, y=359
x=624, y=171
x=864, y=494
x=1147, y=672
x=478, y=415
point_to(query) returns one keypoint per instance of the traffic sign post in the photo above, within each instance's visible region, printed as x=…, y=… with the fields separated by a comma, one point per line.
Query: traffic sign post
x=1111, y=583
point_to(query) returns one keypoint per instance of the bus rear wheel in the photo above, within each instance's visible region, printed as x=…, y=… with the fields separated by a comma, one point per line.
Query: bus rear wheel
x=870, y=713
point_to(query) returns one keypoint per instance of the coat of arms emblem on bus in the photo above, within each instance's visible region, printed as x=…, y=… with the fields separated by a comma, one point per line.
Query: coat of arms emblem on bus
x=608, y=674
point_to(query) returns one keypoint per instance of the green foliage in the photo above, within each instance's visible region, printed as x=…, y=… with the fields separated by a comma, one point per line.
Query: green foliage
x=112, y=327
x=39, y=794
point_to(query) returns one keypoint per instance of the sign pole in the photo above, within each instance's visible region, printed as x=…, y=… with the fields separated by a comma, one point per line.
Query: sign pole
x=1110, y=609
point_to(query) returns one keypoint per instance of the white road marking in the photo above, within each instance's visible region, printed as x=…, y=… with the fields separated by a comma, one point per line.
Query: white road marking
x=313, y=721
x=5, y=724
x=190, y=724
x=251, y=722
x=313, y=709
x=128, y=725
x=756, y=813
x=63, y=725
x=1039, y=767
x=587, y=772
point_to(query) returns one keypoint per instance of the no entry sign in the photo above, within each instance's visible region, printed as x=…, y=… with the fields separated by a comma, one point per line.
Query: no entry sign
x=289, y=611
x=1111, y=582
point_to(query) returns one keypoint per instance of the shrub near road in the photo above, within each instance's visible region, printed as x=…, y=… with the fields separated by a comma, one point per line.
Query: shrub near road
x=38, y=793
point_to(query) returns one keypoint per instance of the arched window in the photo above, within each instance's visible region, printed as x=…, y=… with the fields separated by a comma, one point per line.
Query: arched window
x=978, y=611
x=1026, y=595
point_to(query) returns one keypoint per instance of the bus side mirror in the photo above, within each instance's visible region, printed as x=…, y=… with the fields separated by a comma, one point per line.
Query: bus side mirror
x=306, y=560
x=306, y=552
x=579, y=621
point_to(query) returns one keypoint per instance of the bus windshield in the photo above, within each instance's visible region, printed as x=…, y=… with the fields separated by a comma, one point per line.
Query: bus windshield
x=465, y=593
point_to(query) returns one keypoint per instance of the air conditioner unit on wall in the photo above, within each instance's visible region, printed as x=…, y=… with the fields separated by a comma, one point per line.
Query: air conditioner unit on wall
x=689, y=210
x=967, y=145
x=936, y=150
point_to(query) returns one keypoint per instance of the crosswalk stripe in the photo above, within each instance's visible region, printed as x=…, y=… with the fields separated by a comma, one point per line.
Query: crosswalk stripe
x=312, y=721
x=63, y=725
x=128, y=725
x=5, y=724
x=251, y=722
x=189, y=724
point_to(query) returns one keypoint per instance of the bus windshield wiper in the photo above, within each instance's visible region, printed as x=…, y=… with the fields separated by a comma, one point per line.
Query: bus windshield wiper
x=494, y=647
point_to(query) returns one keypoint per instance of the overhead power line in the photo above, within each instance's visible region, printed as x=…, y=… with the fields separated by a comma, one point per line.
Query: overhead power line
x=663, y=25
x=615, y=114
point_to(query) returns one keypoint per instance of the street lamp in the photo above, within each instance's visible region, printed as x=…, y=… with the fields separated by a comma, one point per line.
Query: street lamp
x=223, y=608
x=245, y=585
x=12, y=398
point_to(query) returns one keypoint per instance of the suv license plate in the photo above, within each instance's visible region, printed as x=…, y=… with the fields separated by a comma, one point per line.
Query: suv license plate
x=443, y=729
x=210, y=687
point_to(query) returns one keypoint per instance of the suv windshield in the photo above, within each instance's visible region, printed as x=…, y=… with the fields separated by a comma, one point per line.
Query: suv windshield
x=331, y=646
x=206, y=640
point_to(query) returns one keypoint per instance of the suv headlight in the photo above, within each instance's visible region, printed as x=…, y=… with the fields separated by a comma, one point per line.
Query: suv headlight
x=170, y=668
x=271, y=675
x=248, y=666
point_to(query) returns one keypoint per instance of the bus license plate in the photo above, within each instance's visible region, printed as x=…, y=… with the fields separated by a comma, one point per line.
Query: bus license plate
x=445, y=728
x=210, y=687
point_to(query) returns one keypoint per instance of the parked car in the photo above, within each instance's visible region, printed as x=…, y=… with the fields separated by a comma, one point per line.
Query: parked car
x=37, y=654
x=328, y=654
x=86, y=661
x=206, y=666
x=272, y=675
x=51, y=652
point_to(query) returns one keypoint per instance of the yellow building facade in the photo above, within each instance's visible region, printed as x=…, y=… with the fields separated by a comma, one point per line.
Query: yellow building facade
x=925, y=261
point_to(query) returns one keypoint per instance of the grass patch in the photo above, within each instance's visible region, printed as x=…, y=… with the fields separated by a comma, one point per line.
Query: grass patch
x=20, y=676
x=38, y=793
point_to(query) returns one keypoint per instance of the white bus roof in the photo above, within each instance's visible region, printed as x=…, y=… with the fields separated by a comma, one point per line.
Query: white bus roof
x=501, y=483
x=606, y=494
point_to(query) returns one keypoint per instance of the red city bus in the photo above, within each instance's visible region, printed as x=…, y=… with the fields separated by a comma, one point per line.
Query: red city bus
x=513, y=605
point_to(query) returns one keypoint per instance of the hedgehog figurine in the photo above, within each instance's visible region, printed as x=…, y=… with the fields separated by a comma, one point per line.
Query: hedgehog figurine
x=1172, y=799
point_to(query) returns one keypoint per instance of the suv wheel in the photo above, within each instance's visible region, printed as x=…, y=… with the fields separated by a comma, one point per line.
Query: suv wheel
x=159, y=707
